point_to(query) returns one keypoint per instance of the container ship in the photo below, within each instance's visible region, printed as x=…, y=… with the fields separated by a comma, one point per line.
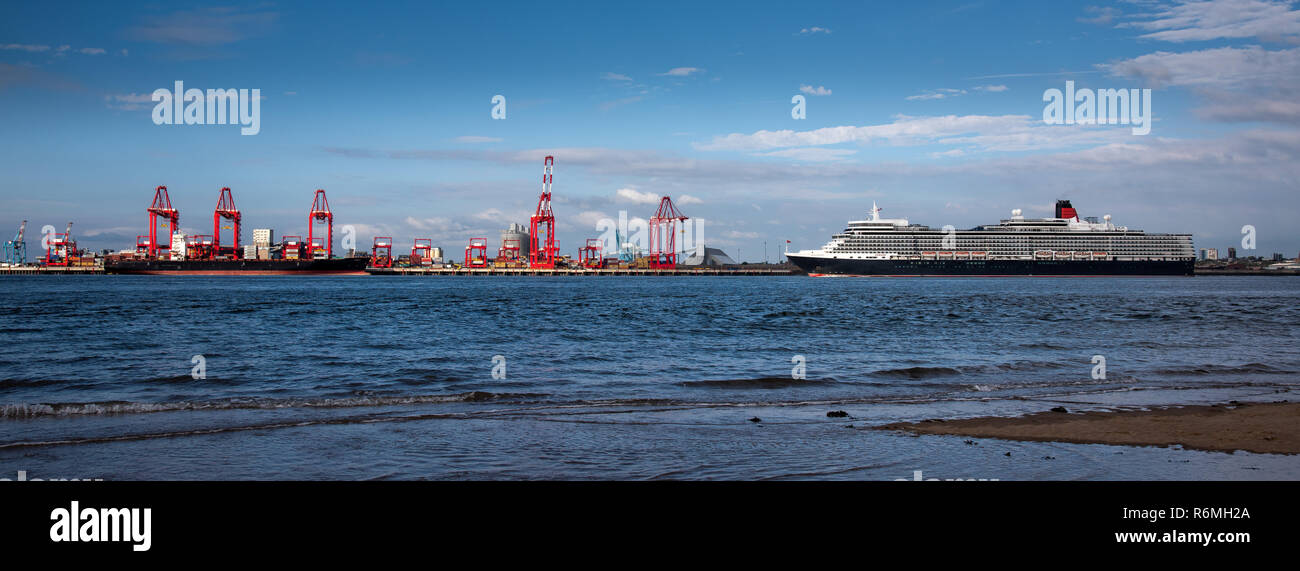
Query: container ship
x=1065, y=245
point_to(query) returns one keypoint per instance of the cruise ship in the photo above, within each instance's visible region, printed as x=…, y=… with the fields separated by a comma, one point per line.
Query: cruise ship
x=1065, y=245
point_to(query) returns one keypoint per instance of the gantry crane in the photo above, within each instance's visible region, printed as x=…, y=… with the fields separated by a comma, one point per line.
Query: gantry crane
x=663, y=245
x=161, y=207
x=226, y=209
x=542, y=252
x=16, y=249
x=320, y=211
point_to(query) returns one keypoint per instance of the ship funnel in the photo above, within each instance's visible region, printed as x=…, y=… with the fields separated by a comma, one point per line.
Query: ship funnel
x=1065, y=210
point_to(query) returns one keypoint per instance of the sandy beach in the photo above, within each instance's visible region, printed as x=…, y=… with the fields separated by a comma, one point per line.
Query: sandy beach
x=1272, y=428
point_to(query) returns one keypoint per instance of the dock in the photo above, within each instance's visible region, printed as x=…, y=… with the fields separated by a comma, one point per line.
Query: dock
x=1225, y=272
x=50, y=270
x=578, y=272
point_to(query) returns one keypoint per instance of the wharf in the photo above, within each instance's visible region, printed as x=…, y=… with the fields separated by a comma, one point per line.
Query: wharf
x=577, y=272
x=1222, y=272
x=50, y=270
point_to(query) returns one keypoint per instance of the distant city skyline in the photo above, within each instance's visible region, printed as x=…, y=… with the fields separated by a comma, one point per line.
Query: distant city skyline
x=934, y=111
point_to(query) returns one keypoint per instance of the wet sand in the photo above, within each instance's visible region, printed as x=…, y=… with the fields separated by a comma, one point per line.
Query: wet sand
x=1264, y=428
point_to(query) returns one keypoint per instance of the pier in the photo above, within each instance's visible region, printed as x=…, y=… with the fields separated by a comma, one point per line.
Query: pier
x=579, y=272
x=51, y=270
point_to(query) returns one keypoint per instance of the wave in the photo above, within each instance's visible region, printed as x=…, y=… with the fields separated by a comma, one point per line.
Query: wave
x=917, y=372
x=1042, y=346
x=788, y=313
x=27, y=383
x=759, y=383
x=1213, y=369
x=37, y=410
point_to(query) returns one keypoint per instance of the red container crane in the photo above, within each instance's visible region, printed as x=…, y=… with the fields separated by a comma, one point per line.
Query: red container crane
x=291, y=247
x=542, y=252
x=320, y=211
x=663, y=245
x=200, y=247
x=476, y=253
x=381, y=252
x=589, y=255
x=161, y=207
x=226, y=209
x=420, y=252
x=60, y=247
x=508, y=254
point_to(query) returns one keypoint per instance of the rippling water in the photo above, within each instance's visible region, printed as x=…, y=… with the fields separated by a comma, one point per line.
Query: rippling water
x=366, y=377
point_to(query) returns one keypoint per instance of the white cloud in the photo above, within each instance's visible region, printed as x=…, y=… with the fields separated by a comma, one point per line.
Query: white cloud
x=25, y=47
x=814, y=30
x=636, y=196
x=589, y=218
x=682, y=71
x=1101, y=15
x=477, y=139
x=810, y=90
x=497, y=216
x=1219, y=67
x=811, y=154
x=1188, y=21
x=129, y=101
x=903, y=131
x=61, y=50
x=991, y=88
x=611, y=76
x=948, y=153
x=688, y=199
x=435, y=227
x=1237, y=84
x=936, y=94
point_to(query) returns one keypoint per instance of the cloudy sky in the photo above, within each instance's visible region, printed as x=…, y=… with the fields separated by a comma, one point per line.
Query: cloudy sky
x=934, y=110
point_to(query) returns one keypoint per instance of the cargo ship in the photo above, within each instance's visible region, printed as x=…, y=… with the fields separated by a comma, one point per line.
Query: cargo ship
x=322, y=266
x=1064, y=245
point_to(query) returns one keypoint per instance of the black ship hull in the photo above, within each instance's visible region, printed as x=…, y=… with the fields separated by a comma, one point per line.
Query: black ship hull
x=816, y=266
x=335, y=266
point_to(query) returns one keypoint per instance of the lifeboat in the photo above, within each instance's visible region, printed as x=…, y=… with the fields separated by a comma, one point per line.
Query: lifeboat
x=1099, y=254
x=1043, y=254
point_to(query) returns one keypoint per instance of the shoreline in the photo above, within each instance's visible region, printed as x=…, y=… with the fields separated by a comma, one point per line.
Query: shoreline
x=1270, y=428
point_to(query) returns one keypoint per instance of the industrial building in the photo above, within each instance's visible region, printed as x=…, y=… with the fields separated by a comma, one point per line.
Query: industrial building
x=711, y=257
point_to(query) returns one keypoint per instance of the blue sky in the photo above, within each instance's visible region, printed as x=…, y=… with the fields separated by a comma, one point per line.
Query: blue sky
x=932, y=109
